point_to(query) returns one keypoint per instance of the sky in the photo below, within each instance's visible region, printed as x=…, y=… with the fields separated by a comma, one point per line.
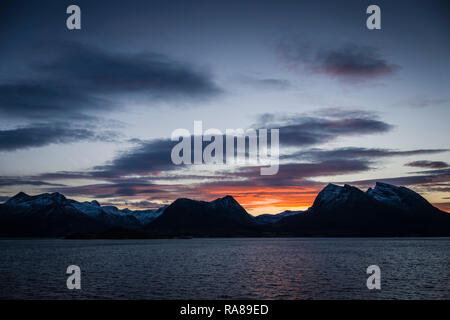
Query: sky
x=90, y=113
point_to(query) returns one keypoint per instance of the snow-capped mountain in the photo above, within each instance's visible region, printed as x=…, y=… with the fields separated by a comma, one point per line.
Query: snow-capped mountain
x=143, y=216
x=274, y=218
x=399, y=197
x=23, y=201
x=333, y=196
x=108, y=216
x=123, y=216
x=385, y=210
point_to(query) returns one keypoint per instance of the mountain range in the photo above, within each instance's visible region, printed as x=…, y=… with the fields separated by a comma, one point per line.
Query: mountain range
x=341, y=211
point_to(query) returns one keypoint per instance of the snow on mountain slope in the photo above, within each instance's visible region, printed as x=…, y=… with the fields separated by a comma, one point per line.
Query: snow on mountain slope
x=143, y=216
x=108, y=214
x=25, y=201
x=335, y=196
x=274, y=218
x=399, y=197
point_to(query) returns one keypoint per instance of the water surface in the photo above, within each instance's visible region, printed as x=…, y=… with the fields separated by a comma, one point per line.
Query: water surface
x=294, y=268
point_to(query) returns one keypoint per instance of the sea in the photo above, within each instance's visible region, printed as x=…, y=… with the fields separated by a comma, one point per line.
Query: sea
x=226, y=268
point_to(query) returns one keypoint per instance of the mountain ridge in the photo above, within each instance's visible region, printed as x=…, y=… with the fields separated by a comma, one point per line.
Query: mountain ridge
x=385, y=210
x=18, y=213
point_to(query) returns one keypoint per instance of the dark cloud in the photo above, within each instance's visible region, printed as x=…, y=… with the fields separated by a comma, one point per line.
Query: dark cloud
x=428, y=164
x=290, y=175
x=297, y=173
x=31, y=100
x=73, y=80
x=423, y=102
x=134, y=173
x=112, y=72
x=444, y=171
x=110, y=190
x=437, y=188
x=427, y=179
x=349, y=62
x=150, y=157
x=266, y=83
x=357, y=152
x=153, y=157
x=307, y=131
x=339, y=112
x=353, y=61
x=64, y=175
x=39, y=135
x=17, y=181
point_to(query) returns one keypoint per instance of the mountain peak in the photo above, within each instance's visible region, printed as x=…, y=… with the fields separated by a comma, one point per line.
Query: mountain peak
x=227, y=200
x=331, y=186
x=21, y=196
x=333, y=195
x=24, y=199
x=400, y=197
x=57, y=195
x=328, y=195
x=220, y=216
x=95, y=203
x=379, y=184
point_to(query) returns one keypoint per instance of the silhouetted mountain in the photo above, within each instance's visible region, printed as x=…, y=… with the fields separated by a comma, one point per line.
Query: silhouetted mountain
x=54, y=215
x=274, y=218
x=46, y=215
x=386, y=210
x=221, y=217
x=399, y=197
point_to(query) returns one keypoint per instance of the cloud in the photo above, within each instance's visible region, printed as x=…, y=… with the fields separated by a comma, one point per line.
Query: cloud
x=149, y=157
x=147, y=168
x=427, y=179
x=139, y=205
x=298, y=173
x=423, y=102
x=123, y=188
x=17, y=181
x=266, y=83
x=348, y=62
x=151, y=73
x=428, y=164
x=31, y=100
x=292, y=184
x=301, y=130
x=73, y=80
x=38, y=135
x=358, y=152
x=152, y=158
x=444, y=206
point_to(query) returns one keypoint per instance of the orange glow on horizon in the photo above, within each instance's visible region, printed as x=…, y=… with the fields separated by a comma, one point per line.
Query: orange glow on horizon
x=259, y=200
